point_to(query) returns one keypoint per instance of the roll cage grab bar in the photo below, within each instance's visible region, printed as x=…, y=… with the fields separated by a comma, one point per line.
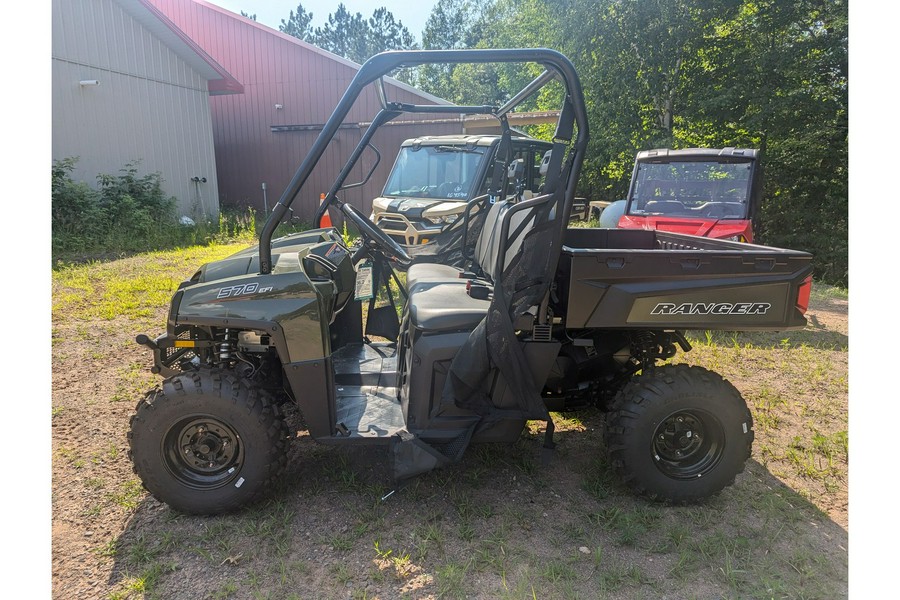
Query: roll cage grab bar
x=556, y=65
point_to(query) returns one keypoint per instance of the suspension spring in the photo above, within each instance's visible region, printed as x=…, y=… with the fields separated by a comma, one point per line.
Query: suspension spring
x=646, y=349
x=226, y=341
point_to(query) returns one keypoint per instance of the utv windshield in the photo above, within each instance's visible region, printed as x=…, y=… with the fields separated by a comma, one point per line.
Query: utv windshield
x=446, y=172
x=710, y=190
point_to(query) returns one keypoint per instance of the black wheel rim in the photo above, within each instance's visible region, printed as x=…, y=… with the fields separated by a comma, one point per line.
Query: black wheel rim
x=688, y=444
x=203, y=452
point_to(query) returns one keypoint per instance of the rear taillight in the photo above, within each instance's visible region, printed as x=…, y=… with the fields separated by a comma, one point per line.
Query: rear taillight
x=803, y=295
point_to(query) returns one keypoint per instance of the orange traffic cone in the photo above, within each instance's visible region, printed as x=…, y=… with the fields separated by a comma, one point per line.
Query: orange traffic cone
x=325, y=221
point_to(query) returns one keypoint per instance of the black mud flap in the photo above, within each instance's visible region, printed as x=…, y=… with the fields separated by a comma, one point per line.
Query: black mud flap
x=383, y=322
x=413, y=456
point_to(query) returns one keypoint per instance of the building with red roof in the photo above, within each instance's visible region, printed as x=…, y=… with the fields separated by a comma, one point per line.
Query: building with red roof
x=290, y=88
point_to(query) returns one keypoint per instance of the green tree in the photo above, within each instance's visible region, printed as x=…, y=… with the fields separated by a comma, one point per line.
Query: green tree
x=635, y=57
x=777, y=78
x=248, y=15
x=344, y=34
x=488, y=24
x=757, y=73
x=357, y=38
x=386, y=33
x=452, y=24
x=298, y=24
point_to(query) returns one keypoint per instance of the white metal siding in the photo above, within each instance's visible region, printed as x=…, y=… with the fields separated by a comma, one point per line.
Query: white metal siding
x=150, y=106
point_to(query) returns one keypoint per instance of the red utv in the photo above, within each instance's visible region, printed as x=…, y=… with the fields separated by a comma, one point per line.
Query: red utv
x=708, y=192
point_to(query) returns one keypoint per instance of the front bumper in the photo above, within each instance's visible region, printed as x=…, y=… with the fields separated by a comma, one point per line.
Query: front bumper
x=172, y=353
x=406, y=232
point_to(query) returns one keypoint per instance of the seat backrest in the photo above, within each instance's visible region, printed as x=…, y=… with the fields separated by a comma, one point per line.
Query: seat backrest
x=664, y=206
x=487, y=248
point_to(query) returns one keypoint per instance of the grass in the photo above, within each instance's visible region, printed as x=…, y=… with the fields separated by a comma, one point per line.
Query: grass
x=143, y=585
x=128, y=494
x=501, y=524
x=132, y=288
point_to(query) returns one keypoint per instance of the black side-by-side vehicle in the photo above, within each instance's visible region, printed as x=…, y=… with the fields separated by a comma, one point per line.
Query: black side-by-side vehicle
x=505, y=317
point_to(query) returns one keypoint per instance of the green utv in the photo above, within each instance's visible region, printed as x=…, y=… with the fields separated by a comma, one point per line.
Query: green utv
x=506, y=316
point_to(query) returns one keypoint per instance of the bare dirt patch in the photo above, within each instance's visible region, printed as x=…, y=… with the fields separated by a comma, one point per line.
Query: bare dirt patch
x=503, y=523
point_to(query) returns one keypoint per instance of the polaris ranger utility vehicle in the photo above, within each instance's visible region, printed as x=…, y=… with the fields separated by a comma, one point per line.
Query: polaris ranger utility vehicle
x=710, y=192
x=506, y=316
x=435, y=177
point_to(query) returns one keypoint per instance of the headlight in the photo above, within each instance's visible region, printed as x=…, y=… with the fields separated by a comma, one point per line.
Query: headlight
x=443, y=213
x=736, y=238
x=442, y=220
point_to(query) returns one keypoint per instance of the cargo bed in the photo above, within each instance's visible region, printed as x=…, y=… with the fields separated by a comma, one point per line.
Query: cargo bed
x=640, y=279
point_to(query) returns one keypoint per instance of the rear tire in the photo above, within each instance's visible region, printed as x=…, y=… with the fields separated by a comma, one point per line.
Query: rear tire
x=208, y=442
x=679, y=434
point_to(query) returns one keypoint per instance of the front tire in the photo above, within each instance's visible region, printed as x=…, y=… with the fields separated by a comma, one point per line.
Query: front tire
x=208, y=442
x=679, y=434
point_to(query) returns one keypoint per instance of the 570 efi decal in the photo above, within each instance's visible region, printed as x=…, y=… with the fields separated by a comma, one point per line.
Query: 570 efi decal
x=240, y=290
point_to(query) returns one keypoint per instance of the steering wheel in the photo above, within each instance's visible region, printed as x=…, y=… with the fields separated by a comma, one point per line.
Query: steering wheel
x=375, y=235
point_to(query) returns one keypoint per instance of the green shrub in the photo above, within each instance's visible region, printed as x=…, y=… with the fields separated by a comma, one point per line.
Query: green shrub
x=126, y=213
x=77, y=217
x=136, y=208
x=129, y=213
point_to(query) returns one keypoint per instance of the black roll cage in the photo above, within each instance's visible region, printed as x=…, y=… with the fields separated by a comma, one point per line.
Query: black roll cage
x=373, y=70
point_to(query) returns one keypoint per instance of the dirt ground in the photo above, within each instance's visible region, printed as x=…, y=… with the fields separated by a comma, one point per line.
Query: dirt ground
x=501, y=524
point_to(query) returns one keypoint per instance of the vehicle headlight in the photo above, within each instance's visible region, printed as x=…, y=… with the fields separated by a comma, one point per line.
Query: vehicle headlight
x=441, y=220
x=443, y=213
x=736, y=238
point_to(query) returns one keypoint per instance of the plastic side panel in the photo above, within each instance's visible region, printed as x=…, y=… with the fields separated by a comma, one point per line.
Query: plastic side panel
x=312, y=386
x=720, y=307
x=428, y=416
x=430, y=360
x=541, y=357
x=288, y=299
x=731, y=304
